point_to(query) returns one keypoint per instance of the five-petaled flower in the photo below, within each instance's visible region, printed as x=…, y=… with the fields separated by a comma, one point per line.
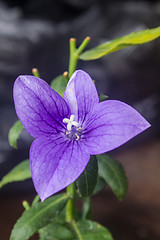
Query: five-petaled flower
x=68, y=130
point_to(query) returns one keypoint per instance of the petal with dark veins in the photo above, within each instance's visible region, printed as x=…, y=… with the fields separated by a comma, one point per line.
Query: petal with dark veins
x=40, y=109
x=111, y=124
x=56, y=163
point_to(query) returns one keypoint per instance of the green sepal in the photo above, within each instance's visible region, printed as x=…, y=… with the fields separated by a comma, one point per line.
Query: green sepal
x=131, y=39
x=59, y=84
x=113, y=173
x=19, y=173
x=14, y=133
x=38, y=216
x=88, y=179
x=103, y=97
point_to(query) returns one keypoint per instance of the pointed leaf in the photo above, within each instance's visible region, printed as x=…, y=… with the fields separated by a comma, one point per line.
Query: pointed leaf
x=59, y=84
x=14, y=133
x=19, y=173
x=131, y=39
x=86, y=212
x=38, y=216
x=113, y=173
x=88, y=179
x=82, y=230
x=100, y=185
x=56, y=231
x=89, y=230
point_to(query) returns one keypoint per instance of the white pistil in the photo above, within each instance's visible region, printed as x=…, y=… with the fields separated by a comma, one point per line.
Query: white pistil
x=70, y=122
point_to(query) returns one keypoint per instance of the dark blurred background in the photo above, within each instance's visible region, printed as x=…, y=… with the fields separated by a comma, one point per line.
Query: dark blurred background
x=35, y=33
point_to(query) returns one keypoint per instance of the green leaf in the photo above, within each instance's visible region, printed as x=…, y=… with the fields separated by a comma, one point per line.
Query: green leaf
x=19, y=173
x=38, y=216
x=86, y=212
x=14, y=133
x=59, y=84
x=88, y=179
x=99, y=185
x=132, y=39
x=55, y=231
x=89, y=230
x=113, y=173
x=82, y=230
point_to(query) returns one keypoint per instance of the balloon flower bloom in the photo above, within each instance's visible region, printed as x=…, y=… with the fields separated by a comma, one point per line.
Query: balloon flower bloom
x=68, y=130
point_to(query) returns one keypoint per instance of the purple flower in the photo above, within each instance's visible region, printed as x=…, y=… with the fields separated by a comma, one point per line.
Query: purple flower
x=68, y=130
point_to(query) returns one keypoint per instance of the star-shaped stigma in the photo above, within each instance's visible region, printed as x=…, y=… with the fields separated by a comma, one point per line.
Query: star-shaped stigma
x=70, y=122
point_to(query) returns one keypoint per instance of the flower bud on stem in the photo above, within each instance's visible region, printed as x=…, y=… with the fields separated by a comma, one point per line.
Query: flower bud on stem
x=35, y=72
x=26, y=205
x=65, y=75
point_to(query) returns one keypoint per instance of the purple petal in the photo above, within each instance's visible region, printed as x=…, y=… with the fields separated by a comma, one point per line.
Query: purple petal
x=111, y=124
x=39, y=108
x=81, y=95
x=56, y=163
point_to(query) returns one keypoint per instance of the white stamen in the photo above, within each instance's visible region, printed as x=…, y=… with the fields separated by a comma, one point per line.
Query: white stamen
x=77, y=137
x=70, y=122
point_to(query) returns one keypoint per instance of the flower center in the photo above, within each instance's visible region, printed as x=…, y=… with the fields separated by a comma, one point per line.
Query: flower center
x=73, y=131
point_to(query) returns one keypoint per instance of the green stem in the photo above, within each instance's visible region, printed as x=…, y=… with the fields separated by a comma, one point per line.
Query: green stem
x=75, y=228
x=75, y=53
x=35, y=200
x=83, y=45
x=70, y=207
x=74, y=56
